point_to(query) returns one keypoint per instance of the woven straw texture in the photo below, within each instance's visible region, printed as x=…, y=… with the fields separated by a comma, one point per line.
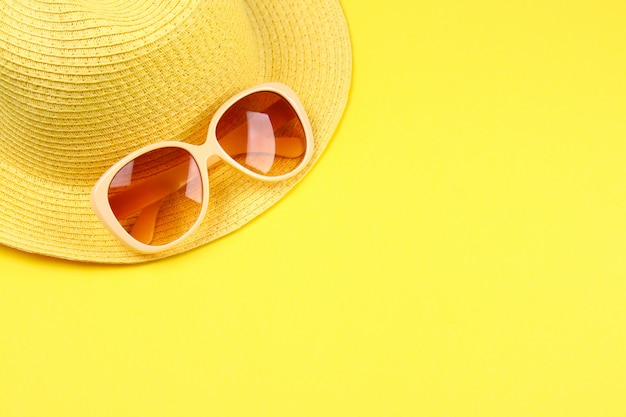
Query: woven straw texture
x=84, y=82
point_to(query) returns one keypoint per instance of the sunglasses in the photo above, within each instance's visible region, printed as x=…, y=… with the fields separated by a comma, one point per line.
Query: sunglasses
x=158, y=195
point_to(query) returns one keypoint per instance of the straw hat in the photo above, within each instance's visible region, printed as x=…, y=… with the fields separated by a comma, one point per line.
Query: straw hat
x=84, y=82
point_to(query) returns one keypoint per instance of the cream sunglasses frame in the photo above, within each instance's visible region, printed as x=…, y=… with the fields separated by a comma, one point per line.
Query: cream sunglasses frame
x=207, y=154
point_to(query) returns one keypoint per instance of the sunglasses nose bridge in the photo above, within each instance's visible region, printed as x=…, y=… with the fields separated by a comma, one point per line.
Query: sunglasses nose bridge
x=209, y=153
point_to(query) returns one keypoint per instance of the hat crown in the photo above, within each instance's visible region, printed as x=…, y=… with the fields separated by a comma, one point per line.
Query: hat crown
x=84, y=82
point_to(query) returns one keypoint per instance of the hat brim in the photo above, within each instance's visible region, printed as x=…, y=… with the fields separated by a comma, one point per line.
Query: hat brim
x=304, y=44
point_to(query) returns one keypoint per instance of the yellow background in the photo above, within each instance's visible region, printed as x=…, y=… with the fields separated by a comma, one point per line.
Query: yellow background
x=458, y=251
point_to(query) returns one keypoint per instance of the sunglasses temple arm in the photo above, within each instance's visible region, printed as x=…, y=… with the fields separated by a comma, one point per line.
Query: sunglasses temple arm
x=144, y=227
x=235, y=143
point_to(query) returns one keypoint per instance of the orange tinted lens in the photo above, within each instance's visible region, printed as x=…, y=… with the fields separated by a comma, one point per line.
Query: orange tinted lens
x=263, y=133
x=157, y=197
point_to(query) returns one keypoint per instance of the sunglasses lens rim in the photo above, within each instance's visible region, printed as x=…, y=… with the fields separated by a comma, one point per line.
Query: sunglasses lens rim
x=285, y=96
x=102, y=205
